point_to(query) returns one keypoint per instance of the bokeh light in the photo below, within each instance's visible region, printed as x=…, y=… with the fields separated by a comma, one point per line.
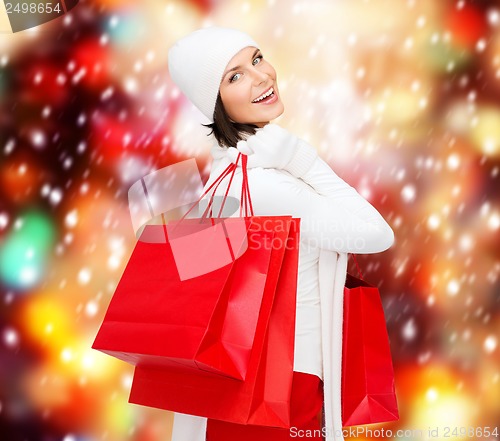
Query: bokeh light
x=24, y=253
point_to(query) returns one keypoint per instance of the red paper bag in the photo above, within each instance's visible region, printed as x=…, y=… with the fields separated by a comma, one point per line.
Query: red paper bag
x=206, y=322
x=263, y=398
x=368, y=393
x=200, y=246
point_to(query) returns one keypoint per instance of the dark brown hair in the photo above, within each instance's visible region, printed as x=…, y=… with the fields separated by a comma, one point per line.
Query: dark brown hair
x=226, y=132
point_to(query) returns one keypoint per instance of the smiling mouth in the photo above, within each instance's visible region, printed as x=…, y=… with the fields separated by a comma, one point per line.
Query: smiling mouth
x=266, y=96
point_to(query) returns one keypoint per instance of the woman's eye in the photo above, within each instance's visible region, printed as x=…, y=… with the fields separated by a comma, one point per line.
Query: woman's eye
x=234, y=78
x=257, y=60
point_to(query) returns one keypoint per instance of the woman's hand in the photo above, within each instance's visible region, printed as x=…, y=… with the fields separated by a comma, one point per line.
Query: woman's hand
x=275, y=147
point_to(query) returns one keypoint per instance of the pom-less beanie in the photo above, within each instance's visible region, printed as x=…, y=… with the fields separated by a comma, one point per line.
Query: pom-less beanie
x=197, y=62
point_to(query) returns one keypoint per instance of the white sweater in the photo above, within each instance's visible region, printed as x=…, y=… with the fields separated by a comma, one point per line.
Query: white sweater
x=335, y=220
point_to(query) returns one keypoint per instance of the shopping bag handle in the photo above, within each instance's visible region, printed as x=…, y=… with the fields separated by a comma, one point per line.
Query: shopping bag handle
x=245, y=199
x=357, y=266
x=230, y=169
x=245, y=190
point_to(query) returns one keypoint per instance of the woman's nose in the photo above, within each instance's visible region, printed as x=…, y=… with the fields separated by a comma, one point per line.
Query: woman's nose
x=259, y=76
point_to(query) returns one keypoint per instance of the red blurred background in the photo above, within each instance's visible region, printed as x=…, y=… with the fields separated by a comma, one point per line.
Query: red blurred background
x=400, y=97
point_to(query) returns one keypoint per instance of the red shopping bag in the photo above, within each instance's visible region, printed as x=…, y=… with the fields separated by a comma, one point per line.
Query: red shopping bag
x=263, y=398
x=164, y=314
x=156, y=318
x=200, y=246
x=368, y=392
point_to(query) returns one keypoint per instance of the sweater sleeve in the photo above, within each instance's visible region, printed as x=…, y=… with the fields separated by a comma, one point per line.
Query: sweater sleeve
x=334, y=215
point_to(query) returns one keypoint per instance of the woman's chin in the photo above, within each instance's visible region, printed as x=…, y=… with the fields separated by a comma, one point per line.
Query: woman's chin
x=261, y=117
x=271, y=113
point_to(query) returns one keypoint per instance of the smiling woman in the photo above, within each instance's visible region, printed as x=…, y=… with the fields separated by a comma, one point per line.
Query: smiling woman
x=249, y=89
x=223, y=72
x=236, y=114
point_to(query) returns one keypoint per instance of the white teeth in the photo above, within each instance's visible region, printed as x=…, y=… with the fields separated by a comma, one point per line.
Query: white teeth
x=264, y=95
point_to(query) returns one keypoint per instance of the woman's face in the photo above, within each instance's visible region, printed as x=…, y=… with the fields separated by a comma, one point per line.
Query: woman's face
x=249, y=90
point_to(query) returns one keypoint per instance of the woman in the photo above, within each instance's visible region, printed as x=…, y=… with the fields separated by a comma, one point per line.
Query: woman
x=223, y=72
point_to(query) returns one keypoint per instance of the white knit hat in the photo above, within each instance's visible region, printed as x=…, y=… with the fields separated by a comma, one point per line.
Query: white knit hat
x=197, y=63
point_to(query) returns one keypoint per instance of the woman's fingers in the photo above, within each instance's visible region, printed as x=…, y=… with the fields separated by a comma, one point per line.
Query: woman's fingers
x=274, y=130
x=253, y=159
x=244, y=148
x=258, y=144
x=232, y=154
